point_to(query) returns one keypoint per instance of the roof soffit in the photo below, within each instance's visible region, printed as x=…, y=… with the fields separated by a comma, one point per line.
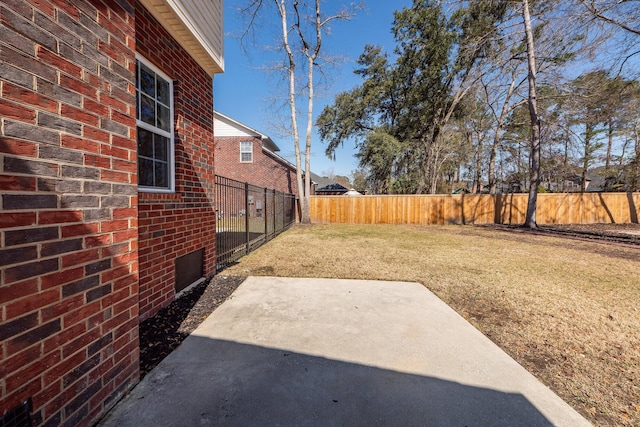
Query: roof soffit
x=197, y=25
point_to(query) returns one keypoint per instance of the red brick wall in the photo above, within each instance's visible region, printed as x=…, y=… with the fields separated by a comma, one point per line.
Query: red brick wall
x=68, y=217
x=172, y=225
x=264, y=171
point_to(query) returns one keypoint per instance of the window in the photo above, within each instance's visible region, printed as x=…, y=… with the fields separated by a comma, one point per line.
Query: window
x=246, y=152
x=154, y=113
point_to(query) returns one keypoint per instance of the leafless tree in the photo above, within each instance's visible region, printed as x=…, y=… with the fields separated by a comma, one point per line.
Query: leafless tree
x=302, y=25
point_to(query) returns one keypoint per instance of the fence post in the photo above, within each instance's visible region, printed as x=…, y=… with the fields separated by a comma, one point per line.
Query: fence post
x=275, y=208
x=497, y=208
x=246, y=215
x=265, y=216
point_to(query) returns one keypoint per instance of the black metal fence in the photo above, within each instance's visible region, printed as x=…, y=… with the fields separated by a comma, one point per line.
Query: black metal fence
x=248, y=216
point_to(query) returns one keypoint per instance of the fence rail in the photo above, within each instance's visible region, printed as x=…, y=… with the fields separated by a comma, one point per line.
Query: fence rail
x=247, y=217
x=553, y=208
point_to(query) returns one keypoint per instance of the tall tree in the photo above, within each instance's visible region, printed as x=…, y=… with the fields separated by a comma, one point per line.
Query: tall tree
x=601, y=112
x=633, y=134
x=359, y=180
x=414, y=98
x=474, y=127
x=302, y=26
x=588, y=98
x=534, y=176
x=615, y=97
x=516, y=149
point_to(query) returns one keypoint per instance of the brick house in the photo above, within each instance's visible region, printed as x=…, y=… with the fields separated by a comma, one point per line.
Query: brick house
x=107, y=189
x=247, y=155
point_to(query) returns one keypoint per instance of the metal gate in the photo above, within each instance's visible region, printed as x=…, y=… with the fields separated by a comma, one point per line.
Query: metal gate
x=248, y=216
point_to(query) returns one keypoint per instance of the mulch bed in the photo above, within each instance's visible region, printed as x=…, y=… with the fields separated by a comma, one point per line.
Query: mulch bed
x=624, y=234
x=164, y=332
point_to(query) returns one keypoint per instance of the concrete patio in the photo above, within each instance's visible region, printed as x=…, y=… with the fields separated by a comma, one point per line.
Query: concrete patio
x=320, y=352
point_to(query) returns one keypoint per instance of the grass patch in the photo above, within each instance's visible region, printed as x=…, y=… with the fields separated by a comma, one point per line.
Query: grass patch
x=239, y=224
x=566, y=310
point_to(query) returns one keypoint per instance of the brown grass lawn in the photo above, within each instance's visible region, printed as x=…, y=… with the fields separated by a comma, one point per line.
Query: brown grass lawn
x=567, y=310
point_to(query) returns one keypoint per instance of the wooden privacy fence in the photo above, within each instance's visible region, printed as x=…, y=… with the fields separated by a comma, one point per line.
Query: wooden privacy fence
x=553, y=208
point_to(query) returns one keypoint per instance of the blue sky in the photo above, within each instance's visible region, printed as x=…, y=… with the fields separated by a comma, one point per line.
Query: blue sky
x=245, y=91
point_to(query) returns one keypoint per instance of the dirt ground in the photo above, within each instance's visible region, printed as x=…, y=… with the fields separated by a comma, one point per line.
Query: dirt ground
x=620, y=233
x=601, y=229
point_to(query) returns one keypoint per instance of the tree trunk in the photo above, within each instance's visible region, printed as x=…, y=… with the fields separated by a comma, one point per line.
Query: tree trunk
x=636, y=134
x=306, y=200
x=583, y=183
x=636, y=169
x=433, y=169
x=588, y=152
x=609, y=145
x=565, y=158
x=312, y=55
x=478, y=178
x=534, y=173
x=282, y=10
x=492, y=163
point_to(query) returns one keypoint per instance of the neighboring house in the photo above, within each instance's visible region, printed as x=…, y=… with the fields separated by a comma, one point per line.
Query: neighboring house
x=327, y=187
x=247, y=155
x=595, y=182
x=107, y=190
x=334, y=189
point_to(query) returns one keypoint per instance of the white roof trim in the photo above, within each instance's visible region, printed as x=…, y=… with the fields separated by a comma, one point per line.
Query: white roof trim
x=267, y=142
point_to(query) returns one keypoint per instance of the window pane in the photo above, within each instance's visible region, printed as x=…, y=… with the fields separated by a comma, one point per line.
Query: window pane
x=160, y=148
x=164, y=119
x=147, y=81
x=162, y=175
x=246, y=151
x=145, y=143
x=163, y=90
x=145, y=172
x=147, y=110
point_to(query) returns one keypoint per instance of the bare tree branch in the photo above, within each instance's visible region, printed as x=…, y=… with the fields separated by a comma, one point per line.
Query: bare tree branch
x=251, y=10
x=600, y=14
x=626, y=59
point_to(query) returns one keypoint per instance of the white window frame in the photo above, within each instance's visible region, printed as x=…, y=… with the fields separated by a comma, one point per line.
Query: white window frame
x=246, y=152
x=171, y=134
